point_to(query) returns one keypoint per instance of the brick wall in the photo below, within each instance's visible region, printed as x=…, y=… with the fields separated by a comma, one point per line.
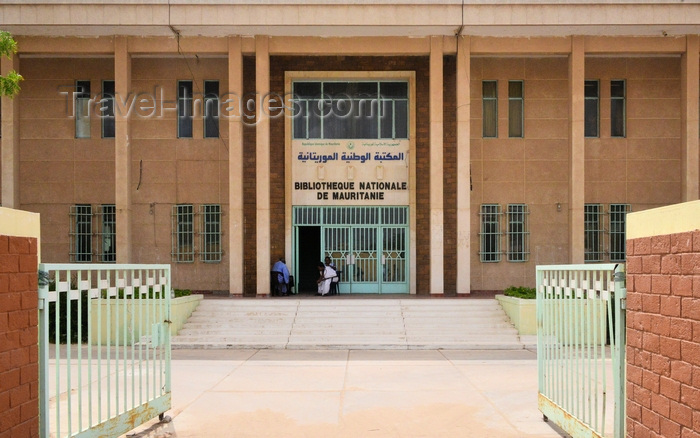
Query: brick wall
x=663, y=329
x=19, y=352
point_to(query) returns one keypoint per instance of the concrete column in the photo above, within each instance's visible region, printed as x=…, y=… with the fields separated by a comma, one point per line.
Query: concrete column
x=437, y=252
x=122, y=149
x=262, y=164
x=10, y=140
x=463, y=164
x=690, y=96
x=235, y=170
x=577, y=78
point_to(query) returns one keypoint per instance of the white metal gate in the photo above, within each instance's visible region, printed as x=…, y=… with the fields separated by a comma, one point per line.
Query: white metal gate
x=104, y=348
x=578, y=306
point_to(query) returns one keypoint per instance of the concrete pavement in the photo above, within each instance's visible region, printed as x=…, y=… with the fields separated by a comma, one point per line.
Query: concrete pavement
x=353, y=393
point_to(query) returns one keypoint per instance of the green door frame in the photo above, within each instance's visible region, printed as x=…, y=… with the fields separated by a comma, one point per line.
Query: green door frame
x=372, y=257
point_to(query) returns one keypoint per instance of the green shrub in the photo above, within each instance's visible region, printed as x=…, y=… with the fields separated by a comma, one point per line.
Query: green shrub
x=182, y=292
x=80, y=333
x=75, y=332
x=521, y=292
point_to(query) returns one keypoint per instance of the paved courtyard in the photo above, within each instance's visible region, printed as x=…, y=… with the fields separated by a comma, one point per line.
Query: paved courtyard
x=353, y=393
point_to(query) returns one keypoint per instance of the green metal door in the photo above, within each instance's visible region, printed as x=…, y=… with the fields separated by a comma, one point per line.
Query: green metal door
x=362, y=273
x=335, y=243
x=393, y=261
x=368, y=245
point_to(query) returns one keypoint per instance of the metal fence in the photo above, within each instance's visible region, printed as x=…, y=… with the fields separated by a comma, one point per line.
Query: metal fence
x=580, y=346
x=104, y=348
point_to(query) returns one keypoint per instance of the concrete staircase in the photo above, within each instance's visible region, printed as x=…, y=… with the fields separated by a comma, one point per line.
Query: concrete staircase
x=349, y=323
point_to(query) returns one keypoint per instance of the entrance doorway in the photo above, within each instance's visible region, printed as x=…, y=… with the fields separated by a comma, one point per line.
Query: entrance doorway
x=307, y=257
x=368, y=245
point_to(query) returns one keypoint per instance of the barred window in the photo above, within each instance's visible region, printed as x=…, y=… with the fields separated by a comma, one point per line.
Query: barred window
x=82, y=109
x=81, y=233
x=617, y=108
x=490, y=234
x=107, y=234
x=591, y=108
x=594, y=233
x=210, y=233
x=518, y=233
x=618, y=219
x=183, y=233
x=516, y=109
x=489, y=96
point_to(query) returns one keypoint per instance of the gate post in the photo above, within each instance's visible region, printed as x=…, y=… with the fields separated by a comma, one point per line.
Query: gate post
x=619, y=353
x=43, y=352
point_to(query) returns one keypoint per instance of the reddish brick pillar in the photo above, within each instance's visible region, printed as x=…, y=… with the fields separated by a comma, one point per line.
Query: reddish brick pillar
x=663, y=334
x=19, y=350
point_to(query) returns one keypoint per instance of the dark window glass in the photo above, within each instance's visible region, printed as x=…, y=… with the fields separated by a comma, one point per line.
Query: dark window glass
x=83, y=233
x=490, y=108
x=618, y=219
x=184, y=109
x=211, y=109
x=394, y=90
x=490, y=233
x=352, y=110
x=185, y=233
x=515, y=108
x=617, y=108
x=211, y=241
x=591, y=109
x=593, y=233
x=82, y=109
x=308, y=90
x=107, y=109
x=109, y=233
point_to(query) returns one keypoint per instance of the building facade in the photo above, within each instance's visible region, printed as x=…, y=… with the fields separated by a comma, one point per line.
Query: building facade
x=426, y=147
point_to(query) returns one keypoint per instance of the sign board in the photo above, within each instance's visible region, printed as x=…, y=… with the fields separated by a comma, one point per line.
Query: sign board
x=350, y=172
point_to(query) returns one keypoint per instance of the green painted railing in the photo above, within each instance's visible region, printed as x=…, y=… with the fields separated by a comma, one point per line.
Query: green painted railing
x=580, y=346
x=90, y=386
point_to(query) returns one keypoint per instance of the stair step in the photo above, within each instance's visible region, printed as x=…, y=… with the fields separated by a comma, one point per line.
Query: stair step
x=357, y=323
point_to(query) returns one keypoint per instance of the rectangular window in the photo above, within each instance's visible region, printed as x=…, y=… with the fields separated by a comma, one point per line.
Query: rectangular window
x=81, y=233
x=107, y=235
x=184, y=109
x=617, y=108
x=350, y=110
x=618, y=219
x=82, y=109
x=594, y=233
x=516, y=105
x=107, y=109
x=518, y=233
x=183, y=233
x=490, y=233
x=210, y=233
x=591, y=108
x=489, y=92
x=211, y=109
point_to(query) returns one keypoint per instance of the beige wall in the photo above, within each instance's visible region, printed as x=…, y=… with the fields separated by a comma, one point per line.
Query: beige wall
x=644, y=168
x=56, y=169
x=532, y=170
x=177, y=171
